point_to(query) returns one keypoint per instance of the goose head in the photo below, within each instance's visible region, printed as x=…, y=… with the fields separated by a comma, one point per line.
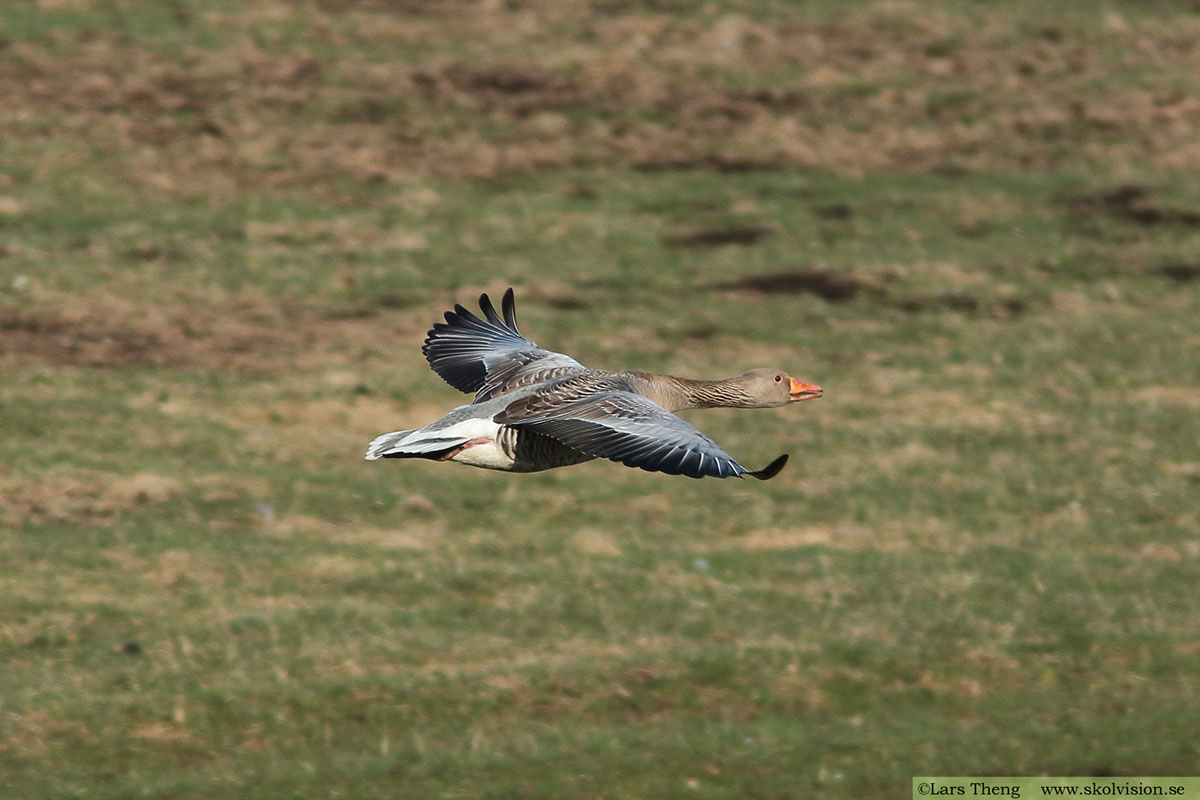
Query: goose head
x=768, y=388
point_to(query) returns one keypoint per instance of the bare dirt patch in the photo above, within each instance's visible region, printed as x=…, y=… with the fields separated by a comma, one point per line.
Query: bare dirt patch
x=245, y=333
x=826, y=284
x=840, y=287
x=1182, y=272
x=1135, y=203
x=57, y=337
x=103, y=336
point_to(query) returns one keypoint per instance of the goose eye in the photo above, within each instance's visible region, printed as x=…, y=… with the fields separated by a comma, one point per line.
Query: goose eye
x=778, y=378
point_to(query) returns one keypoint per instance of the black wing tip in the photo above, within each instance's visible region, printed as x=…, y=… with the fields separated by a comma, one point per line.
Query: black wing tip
x=508, y=306
x=489, y=310
x=770, y=470
x=454, y=319
x=507, y=317
x=460, y=317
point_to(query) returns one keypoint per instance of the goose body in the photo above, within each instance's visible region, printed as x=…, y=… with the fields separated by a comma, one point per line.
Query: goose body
x=535, y=409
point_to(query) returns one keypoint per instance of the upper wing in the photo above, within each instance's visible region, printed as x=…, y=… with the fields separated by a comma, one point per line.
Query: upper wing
x=629, y=428
x=490, y=356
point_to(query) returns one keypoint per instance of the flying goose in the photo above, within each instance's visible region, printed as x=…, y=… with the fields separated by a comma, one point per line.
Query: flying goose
x=535, y=409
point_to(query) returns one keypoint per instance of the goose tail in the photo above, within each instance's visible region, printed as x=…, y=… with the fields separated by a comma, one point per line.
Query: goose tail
x=410, y=444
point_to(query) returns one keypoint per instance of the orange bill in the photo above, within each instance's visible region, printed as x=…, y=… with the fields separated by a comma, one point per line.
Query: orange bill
x=800, y=390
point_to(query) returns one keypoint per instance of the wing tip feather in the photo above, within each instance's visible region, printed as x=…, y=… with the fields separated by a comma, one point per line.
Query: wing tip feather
x=489, y=310
x=770, y=470
x=508, y=305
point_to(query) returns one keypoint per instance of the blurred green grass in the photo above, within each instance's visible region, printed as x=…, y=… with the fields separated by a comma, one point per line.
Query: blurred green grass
x=223, y=236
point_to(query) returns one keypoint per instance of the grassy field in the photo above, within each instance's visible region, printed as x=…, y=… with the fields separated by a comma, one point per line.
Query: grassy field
x=225, y=228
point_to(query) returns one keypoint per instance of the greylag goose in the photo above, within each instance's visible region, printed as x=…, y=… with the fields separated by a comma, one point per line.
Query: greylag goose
x=535, y=409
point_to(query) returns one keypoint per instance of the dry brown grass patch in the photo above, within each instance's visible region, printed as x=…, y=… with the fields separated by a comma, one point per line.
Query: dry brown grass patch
x=873, y=89
x=246, y=333
x=83, y=497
